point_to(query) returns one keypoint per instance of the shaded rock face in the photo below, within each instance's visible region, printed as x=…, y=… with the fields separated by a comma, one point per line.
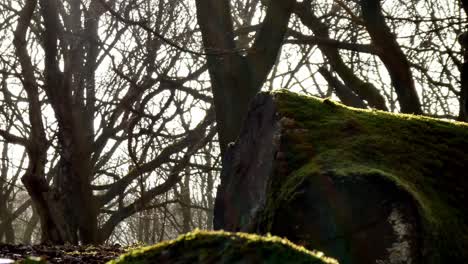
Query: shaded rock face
x=247, y=169
x=363, y=219
x=354, y=219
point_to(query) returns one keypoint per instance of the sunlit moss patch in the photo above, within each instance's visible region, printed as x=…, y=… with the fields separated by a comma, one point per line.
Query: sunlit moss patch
x=223, y=247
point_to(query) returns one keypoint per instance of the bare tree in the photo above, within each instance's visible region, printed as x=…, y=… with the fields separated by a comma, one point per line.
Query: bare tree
x=389, y=55
x=129, y=116
x=114, y=101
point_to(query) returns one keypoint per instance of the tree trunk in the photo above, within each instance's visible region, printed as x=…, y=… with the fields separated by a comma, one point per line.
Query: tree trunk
x=235, y=79
x=209, y=191
x=76, y=200
x=29, y=230
x=68, y=210
x=7, y=232
x=186, y=203
x=463, y=111
x=463, y=41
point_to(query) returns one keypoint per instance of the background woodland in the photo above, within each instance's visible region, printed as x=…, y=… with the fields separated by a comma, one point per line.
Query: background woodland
x=114, y=114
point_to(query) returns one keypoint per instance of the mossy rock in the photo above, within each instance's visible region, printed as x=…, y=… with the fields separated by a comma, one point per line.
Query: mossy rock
x=218, y=247
x=318, y=142
x=423, y=156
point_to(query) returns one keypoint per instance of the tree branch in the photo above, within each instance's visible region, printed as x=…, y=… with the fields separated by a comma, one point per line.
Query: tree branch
x=165, y=156
x=392, y=56
x=10, y=138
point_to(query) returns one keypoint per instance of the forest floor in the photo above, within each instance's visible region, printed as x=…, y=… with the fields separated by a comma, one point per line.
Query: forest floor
x=60, y=254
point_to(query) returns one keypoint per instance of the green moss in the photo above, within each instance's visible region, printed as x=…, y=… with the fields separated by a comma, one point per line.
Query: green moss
x=223, y=247
x=423, y=156
x=32, y=260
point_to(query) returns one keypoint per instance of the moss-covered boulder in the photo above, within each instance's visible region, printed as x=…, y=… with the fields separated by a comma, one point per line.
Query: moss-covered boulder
x=220, y=247
x=362, y=186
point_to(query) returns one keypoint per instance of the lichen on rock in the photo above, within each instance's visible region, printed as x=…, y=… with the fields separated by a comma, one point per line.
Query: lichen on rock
x=399, y=252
